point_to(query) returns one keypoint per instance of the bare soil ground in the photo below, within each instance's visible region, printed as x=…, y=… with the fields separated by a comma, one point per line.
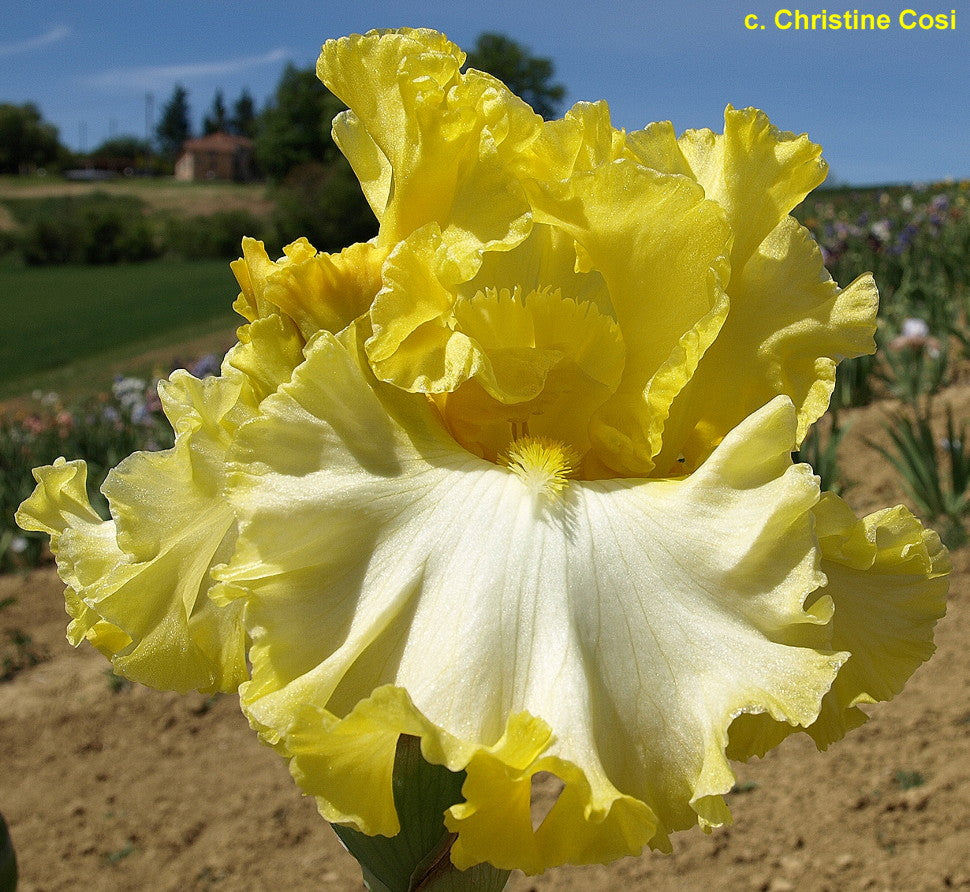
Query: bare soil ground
x=119, y=788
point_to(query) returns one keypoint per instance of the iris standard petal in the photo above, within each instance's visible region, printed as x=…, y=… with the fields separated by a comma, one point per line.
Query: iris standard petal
x=661, y=250
x=788, y=327
x=755, y=171
x=430, y=143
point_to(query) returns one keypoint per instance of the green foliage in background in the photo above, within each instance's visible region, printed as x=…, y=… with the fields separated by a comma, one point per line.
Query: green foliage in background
x=175, y=125
x=526, y=75
x=324, y=203
x=935, y=473
x=27, y=142
x=98, y=228
x=294, y=129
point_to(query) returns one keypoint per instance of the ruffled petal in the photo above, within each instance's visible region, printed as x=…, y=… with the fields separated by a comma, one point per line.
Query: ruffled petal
x=583, y=140
x=580, y=616
x=656, y=146
x=316, y=290
x=522, y=353
x=85, y=547
x=661, y=250
x=447, y=137
x=788, y=327
x=413, y=342
x=254, y=268
x=140, y=585
x=755, y=171
x=885, y=591
x=887, y=578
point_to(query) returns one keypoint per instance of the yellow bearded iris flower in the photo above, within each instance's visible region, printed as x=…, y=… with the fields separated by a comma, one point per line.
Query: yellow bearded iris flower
x=515, y=478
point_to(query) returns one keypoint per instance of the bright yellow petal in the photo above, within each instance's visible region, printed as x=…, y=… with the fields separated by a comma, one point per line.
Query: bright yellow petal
x=549, y=363
x=582, y=615
x=255, y=268
x=504, y=352
x=788, y=327
x=316, y=290
x=754, y=171
x=268, y=351
x=446, y=136
x=656, y=147
x=661, y=249
x=654, y=239
x=327, y=291
x=414, y=343
x=369, y=163
x=583, y=140
x=431, y=335
x=630, y=429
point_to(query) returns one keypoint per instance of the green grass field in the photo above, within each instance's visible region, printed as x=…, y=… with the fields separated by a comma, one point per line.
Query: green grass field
x=79, y=319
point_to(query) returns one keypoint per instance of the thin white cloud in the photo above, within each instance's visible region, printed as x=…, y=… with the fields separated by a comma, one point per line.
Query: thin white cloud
x=161, y=75
x=54, y=35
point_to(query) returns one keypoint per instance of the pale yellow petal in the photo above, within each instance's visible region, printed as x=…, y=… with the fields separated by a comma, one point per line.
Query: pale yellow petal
x=581, y=616
x=887, y=578
x=85, y=546
x=139, y=584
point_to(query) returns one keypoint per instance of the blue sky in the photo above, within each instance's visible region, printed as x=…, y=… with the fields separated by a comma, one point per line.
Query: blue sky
x=886, y=105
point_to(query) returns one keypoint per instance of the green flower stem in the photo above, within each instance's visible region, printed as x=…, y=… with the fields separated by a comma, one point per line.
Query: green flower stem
x=418, y=859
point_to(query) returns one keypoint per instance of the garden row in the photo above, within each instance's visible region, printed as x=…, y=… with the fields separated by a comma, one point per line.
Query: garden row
x=916, y=241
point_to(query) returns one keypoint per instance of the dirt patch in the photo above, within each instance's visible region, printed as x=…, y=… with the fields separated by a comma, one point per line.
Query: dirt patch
x=110, y=786
x=183, y=199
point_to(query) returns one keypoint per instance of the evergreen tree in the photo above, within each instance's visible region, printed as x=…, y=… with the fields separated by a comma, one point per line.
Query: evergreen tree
x=174, y=128
x=525, y=75
x=243, y=120
x=216, y=121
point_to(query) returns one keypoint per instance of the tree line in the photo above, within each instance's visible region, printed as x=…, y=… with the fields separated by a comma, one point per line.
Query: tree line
x=291, y=130
x=314, y=190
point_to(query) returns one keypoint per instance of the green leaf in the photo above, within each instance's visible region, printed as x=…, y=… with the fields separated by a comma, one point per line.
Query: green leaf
x=418, y=858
